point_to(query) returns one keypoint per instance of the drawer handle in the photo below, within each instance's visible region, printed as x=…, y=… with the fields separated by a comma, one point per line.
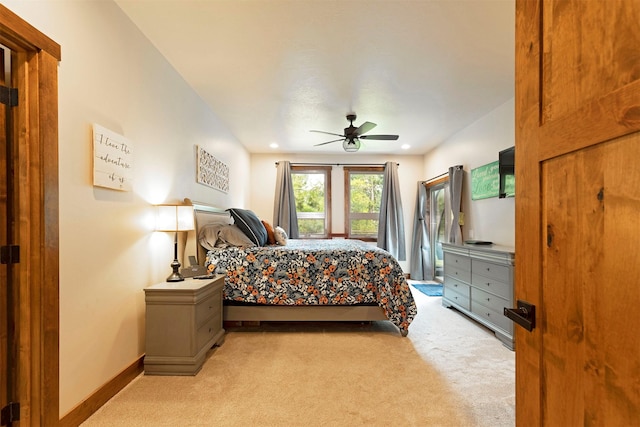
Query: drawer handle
x=488, y=284
x=455, y=285
x=488, y=314
x=488, y=299
x=488, y=269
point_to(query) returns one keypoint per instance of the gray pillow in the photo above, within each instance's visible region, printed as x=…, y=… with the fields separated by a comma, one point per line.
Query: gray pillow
x=250, y=224
x=208, y=236
x=231, y=235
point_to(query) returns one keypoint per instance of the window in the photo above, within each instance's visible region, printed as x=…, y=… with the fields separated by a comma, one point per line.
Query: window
x=312, y=190
x=363, y=192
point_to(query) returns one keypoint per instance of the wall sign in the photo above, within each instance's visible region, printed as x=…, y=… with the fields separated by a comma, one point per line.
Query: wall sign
x=485, y=182
x=112, y=160
x=211, y=171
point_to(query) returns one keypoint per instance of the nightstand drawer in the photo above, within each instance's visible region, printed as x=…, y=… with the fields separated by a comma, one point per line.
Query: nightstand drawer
x=205, y=309
x=490, y=270
x=208, y=330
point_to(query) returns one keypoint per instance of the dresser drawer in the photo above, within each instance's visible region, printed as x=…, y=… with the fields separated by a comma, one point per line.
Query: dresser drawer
x=498, y=272
x=456, y=261
x=457, y=293
x=489, y=300
x=497, y=319
x=502, y=289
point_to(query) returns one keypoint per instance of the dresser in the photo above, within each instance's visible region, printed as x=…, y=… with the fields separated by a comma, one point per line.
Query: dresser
x=183, y=321
x=478, y=281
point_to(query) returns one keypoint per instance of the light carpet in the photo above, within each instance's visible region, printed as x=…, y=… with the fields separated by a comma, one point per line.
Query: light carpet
x=449, y=371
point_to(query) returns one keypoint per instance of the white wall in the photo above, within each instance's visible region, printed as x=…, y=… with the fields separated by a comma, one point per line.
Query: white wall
x=111, y=75
x=263, y=184
x=476, y=145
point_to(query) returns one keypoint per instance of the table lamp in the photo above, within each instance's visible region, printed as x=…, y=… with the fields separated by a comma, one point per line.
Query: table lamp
x=174, y=218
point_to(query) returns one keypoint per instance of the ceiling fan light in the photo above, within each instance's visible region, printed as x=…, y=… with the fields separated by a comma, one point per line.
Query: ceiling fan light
x=351, y=145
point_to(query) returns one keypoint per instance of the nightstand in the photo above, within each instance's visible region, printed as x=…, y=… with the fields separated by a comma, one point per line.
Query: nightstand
x=183, y=321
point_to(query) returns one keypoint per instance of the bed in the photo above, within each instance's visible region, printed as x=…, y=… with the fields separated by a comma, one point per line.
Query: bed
x=302, y=280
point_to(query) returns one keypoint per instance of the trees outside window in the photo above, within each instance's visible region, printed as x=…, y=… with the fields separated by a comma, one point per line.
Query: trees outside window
x=363, y=192
x=312, y=190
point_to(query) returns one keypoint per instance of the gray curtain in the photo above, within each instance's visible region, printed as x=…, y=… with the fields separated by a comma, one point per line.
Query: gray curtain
x=391, y=224
x=421, y=265
x=284, y=209
x=456, y=174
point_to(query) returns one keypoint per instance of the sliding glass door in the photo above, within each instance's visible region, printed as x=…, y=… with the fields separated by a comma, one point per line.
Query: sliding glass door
x=439, y=224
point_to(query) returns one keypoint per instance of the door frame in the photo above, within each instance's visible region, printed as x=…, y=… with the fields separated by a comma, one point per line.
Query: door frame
x=34, y=72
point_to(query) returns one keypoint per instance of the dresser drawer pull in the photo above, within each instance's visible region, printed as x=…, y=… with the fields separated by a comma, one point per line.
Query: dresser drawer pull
x=488, y=299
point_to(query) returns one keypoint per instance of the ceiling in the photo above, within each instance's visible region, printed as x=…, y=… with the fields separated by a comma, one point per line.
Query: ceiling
x=272, y=70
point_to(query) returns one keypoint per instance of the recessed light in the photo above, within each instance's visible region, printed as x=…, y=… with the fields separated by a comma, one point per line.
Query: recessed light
x=405, y=146
x=273, y=145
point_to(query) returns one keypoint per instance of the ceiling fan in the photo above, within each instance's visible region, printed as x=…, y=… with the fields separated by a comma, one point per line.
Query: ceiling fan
x=352, y=135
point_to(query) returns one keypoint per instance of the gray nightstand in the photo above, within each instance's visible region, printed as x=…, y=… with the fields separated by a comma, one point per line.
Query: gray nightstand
x=183, y=321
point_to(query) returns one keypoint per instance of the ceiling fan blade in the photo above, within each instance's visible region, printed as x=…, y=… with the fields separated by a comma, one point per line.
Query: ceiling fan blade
x=328, y=133
x=365, y=127
x=380, y=137
x=329, y=142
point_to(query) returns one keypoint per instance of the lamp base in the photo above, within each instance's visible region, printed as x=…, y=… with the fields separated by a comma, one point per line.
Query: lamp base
x=175, y=276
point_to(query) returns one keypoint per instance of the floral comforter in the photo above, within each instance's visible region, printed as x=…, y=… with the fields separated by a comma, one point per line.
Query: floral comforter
x=316, y=272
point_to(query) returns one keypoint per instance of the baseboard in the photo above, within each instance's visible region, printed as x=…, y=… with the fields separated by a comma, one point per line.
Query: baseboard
x=87, y=407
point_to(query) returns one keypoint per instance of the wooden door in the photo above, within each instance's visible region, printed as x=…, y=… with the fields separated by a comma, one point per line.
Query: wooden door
x=32, y=198
x=5, y=383
x=577, y=211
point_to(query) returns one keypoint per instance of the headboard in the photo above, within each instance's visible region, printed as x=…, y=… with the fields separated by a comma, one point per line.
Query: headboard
x=203, y=214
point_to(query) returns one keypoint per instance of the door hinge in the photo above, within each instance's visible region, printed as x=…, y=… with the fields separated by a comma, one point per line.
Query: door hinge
x=9, y=96
x=10, y=413
x=10, y=254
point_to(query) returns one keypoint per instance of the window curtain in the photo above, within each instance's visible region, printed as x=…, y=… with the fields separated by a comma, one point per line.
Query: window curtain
x=456, y=175
x=391, y=222
x=284, y=209
x=421, y=265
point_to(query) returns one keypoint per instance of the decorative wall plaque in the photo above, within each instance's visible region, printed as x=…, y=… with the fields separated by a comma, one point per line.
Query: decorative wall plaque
x=211, y=171
x=112, y=160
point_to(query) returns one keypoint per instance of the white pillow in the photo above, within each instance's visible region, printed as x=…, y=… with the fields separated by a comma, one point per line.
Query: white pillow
x=280, y=235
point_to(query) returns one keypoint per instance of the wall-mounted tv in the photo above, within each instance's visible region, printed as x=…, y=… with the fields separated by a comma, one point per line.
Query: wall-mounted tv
x=506, y=166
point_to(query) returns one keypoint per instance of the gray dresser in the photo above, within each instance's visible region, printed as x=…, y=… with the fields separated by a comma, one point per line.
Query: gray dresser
x=183, y=321
x=478, y=281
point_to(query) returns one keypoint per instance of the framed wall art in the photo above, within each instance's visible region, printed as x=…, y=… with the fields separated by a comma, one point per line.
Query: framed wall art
x=211, y=171
x=112, y=160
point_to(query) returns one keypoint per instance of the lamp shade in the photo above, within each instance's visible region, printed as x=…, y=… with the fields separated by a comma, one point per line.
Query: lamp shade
x=174, y=218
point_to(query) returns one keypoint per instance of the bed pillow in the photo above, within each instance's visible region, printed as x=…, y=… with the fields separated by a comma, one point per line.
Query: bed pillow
x=271, y=238
x=280, y=235
x=208, y=236
x=232, y=235
x=250, y=224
